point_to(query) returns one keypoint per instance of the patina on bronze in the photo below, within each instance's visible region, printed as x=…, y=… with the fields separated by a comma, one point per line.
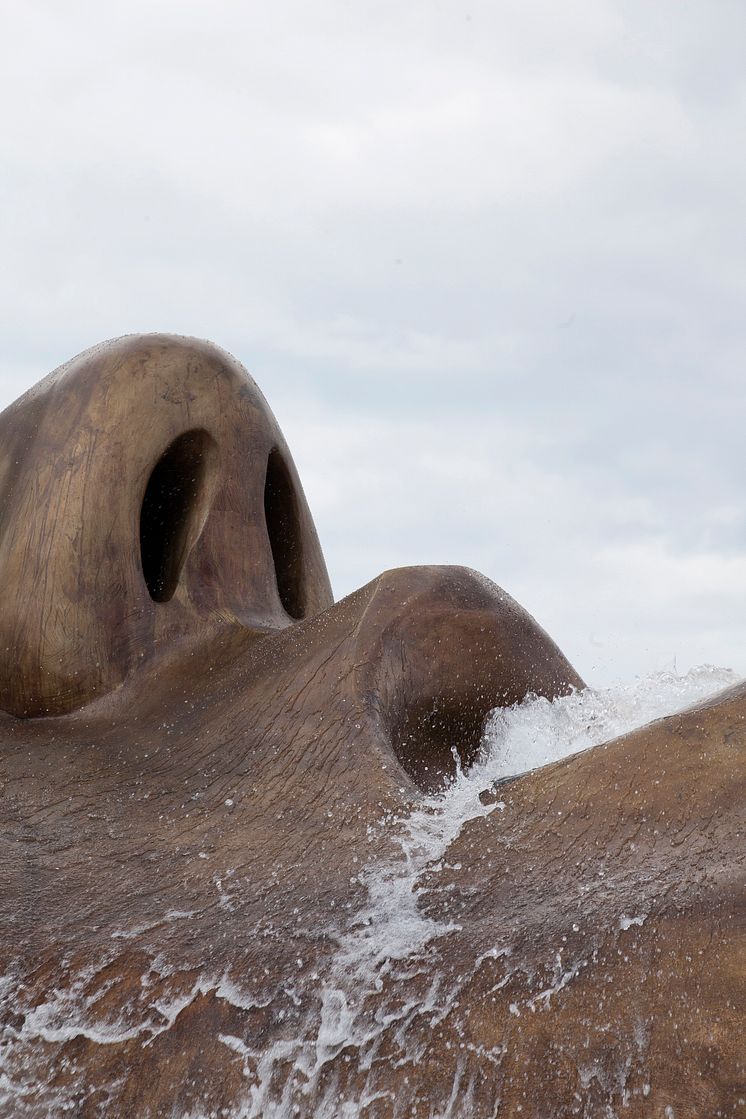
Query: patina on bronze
x=201, y=753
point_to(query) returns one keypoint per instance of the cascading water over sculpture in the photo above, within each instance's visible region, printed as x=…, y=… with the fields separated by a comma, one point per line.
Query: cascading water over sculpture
x=204, y=760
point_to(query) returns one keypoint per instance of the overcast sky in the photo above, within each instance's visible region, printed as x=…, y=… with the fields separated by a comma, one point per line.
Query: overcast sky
x=486, y=260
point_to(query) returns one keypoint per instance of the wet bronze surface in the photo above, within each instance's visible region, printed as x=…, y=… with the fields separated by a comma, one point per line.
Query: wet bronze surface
x=202, y=757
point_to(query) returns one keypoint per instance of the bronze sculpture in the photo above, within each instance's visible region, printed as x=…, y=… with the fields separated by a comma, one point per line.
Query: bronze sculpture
x=203, y=758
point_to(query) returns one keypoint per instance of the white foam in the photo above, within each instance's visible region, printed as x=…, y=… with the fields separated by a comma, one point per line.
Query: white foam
x=519, y=738
x=626, y=922
x=536, y=731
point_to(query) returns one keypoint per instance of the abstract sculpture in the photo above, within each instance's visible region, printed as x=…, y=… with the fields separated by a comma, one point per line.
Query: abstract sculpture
x=203, y=760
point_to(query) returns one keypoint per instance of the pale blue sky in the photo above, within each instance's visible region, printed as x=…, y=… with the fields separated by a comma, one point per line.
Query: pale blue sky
x=486, y=261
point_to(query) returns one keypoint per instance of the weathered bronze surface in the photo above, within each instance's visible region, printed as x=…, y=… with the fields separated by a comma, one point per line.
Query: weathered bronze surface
x=202, y=758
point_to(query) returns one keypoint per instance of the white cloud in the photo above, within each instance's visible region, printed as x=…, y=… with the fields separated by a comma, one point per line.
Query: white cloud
x=486, y=259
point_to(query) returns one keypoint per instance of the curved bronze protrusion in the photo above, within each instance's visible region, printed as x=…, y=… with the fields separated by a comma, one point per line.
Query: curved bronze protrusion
x=143, y=485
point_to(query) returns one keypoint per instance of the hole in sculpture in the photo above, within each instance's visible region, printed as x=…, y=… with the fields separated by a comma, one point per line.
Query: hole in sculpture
x=283, y=529
x=432, y=743
x=174, y=510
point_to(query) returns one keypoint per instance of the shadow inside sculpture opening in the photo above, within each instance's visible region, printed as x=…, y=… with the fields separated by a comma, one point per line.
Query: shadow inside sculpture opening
x=433, y=744
x=174, y=510
x=282, y=517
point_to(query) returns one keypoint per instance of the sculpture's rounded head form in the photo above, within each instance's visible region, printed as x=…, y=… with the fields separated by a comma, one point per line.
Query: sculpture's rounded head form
x=146, y=497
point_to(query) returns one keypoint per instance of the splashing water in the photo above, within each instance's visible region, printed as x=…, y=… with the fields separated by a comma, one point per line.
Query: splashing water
x=537, y=732
x=390, y=935
x=516, y=739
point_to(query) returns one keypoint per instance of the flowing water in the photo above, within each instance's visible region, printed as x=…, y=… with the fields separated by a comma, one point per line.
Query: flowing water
x=389, y=935
x=385, y=939
x=516, y=739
